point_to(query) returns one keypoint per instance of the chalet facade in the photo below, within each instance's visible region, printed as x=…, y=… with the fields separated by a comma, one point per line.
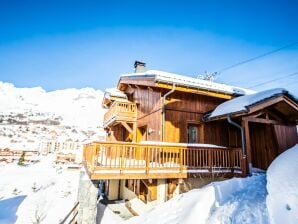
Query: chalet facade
x=164, y=128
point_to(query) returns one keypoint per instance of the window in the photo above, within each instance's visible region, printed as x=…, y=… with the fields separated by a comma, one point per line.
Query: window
x=192, y=132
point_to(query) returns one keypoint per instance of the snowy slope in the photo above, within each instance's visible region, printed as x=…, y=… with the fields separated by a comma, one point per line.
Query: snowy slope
x=77, y=107
x=239, y=200
x=37, y=191
x=30, y=116
x=282, y=199
x=248, y=200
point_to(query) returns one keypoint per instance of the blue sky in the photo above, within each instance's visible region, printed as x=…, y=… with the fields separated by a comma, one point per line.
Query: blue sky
x=63, y=44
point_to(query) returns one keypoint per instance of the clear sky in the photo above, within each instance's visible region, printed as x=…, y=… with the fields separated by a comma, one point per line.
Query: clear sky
x=63, y=44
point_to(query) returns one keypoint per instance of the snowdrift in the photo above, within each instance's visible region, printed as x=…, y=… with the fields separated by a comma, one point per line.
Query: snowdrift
x=282, y=186
x=239, y=200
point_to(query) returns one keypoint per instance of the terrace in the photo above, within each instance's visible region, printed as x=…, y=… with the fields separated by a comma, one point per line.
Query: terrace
x=153, y=160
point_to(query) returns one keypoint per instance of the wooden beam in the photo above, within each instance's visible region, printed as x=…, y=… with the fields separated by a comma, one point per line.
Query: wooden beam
x=127, y=176
x=272, y=102
x=195, y=91
x=276, y=114
x=125, y=81
x=260, y=120
x=291, y=103
x=257, y=114
x=127, y=127
x=134, y=131
x=245, y=125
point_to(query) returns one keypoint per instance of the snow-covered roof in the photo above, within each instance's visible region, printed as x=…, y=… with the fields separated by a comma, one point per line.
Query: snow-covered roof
x=242, y=103
x=114, y=92
x=166, y=77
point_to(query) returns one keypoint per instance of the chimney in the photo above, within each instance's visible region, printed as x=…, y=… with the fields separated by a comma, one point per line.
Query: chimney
x=140, y=66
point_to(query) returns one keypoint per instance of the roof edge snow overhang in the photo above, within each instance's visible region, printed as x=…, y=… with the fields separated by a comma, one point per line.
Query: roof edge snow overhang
x=152, y=80
x=288, y=98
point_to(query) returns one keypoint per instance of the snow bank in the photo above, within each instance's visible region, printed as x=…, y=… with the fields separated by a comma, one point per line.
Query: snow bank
x=37, y=191
x=282, y=186
x=238, y=200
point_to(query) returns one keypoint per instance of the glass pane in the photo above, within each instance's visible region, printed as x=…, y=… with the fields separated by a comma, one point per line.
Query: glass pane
x=192, y=134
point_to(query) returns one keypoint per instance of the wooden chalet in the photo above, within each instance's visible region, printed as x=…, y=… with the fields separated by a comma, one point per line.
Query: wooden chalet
x=161, y=131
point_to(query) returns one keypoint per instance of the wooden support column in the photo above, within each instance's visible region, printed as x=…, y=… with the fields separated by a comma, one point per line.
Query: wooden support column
x=248, y=144
x=126, y=127
x=134, y=132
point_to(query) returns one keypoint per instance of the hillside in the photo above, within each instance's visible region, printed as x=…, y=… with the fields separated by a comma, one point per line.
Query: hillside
x=31, y=115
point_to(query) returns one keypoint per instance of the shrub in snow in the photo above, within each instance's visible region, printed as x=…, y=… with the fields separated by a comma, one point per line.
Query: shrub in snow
x=15, y=191
x=282, y=187
x=22, y=160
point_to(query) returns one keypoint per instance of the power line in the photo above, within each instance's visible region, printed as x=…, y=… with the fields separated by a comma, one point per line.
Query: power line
x=273, y=80
x=255, y=58
x=289, y=84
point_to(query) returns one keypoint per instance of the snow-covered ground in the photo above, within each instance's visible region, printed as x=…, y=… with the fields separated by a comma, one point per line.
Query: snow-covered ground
x=282, y=176
x=238, y=200
x=40, y=191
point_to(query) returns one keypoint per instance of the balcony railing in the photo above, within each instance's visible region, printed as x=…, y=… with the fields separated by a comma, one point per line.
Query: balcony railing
x=122, y=160
x=120, y=111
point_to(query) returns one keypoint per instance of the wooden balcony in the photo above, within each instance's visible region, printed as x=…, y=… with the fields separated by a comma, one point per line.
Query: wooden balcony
x=120, y=112
x=122, y=160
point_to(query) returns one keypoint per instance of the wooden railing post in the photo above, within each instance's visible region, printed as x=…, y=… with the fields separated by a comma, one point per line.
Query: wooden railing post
x=94, y=156
x=210, y=160
x=147, y=159
x=244, y=166
x=122, y=163
x=181, y=159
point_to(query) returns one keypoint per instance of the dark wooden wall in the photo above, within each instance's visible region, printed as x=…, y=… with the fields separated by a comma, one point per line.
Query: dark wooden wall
x=268, y=141
x=286, y=136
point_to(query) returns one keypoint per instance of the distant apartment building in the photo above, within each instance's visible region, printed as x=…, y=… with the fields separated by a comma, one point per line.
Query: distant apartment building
x=52, y=146
x=66, y=151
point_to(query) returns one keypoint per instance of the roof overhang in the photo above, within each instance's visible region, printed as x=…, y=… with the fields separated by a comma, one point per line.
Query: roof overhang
x=283, y=104
x=150, y=81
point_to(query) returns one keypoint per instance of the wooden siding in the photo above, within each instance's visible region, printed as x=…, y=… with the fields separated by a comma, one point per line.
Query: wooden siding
x=183, y=109
x=191, y=102
x=176, y=125
x=218, y=133
x=268, y=141
x=286, y=136
x=148, y=101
